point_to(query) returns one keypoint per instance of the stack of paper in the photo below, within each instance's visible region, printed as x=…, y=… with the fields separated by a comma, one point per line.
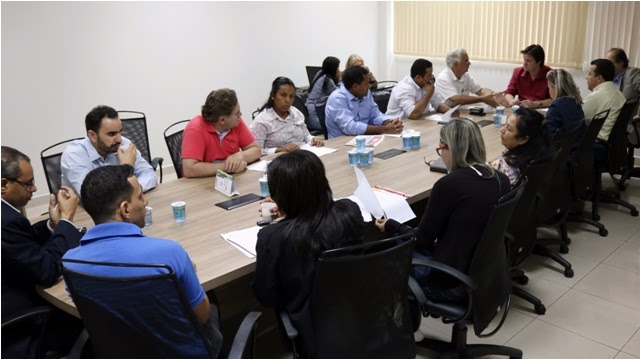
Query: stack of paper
x=380, y=203
x=245, y=240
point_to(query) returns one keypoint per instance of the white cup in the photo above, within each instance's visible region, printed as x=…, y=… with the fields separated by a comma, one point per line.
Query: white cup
x=266, y=211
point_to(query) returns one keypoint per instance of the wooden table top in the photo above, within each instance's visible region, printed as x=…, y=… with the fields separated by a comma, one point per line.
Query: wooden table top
x=217, y=261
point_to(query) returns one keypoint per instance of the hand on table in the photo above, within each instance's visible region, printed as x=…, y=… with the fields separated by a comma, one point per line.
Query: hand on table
x=288, y=148
x=318, y=142
x=393, y=126
x=235, y=163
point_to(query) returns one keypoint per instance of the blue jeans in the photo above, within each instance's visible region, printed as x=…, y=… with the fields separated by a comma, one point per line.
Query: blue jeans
x=421, y=275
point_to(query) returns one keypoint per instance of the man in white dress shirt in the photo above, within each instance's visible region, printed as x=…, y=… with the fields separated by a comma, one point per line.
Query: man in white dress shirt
x=455, y=86
x=415, y=95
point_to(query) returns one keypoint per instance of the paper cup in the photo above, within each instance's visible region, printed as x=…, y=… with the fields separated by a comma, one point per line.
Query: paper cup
x=266, y=211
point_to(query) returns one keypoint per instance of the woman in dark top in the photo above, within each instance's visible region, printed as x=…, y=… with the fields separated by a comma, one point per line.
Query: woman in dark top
x=525, y=139
x=565, y=114
x=287, y=251
x=325, y=82
x=458, y=208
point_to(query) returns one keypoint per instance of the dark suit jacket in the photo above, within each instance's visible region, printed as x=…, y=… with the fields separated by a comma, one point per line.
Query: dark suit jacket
x=630, y=87
x=30, y=255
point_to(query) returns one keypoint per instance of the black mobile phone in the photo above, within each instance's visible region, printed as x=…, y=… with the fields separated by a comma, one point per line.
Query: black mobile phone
x=262, y=223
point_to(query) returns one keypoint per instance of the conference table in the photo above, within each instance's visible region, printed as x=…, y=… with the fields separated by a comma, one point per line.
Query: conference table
x=217, y=261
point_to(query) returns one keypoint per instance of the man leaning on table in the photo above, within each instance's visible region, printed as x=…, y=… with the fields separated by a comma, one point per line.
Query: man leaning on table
x=455, y=85
x=415, y=95
x=103, y=145
x=113, y=197
x=218, y=138
x=351, y=110
x=31, y=255
x=529, y=82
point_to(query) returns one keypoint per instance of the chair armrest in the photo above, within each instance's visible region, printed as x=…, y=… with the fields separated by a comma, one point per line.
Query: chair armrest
x=417, y=291
x=452, y=272
x=243, y=335
x=78, y=345
x=292, y=332
x=26, y=315
x=156, y=161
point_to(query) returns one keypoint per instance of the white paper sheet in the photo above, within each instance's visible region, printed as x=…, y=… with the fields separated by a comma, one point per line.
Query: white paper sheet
x=366, y=216
x=395, y=206
x=370, y=141
x=319, y=151
x=258, y=166
x=364, y=192
x=446, y=117
x=244, y=240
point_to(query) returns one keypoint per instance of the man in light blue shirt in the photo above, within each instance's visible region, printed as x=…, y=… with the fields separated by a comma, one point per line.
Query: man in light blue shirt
x=104, y=145
x=351, y=110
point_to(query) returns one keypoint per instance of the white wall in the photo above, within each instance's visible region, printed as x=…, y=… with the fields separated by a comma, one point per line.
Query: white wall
x=60, y=59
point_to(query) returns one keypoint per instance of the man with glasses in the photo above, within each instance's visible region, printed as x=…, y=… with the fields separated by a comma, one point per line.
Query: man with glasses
x=218, y=138
x=31, y=253
x=455, y=86
x=104, y=145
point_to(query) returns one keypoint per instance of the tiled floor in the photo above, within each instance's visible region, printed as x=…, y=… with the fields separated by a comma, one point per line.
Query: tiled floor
x=595, y=314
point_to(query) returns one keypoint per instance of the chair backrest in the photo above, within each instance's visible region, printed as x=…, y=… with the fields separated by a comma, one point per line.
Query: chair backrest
x=23, y=334
x=488, y=267
x=50, y=158
x=174, y=144
x=143, y=315
x=321, y=104
x=581, y=170
x=299, y=103
x=312, y=71
x=634, y=133
x=382, y=94
x=360, y=302
x=522, y=226
x=617, y=143
x=134, y=127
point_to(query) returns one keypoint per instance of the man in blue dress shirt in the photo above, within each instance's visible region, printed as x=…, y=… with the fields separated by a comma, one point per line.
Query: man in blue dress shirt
x=104, y=145
x=351, y=110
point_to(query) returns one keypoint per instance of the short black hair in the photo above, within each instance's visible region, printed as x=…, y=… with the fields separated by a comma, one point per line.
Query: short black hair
x=620, y=56
x=103, y=189
x=419, y=67
x=11, y=162
x=604, y=68
x=536, y=51
x=354, y=75
x=94, y=118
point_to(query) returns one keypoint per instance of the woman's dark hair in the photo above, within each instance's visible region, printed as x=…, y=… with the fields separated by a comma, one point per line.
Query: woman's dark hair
x=315, y=222
x=330, y=67
x=275, y=86
x=529, y=123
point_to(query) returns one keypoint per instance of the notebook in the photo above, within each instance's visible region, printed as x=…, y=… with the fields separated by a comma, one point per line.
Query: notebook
x=438, y=166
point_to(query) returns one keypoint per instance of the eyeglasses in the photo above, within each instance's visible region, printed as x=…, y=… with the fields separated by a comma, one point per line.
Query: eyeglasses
x=27, y=185
x=442, y=147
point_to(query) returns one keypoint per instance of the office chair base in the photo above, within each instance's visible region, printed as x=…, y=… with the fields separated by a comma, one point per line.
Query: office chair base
x=545, y=252
x=616, y=200
x=582, y=218
x=458, y=347
x=538, y=307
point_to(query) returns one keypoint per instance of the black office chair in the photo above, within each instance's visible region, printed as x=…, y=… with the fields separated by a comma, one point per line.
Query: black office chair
x=312, y=71
x=617, y=162
x=554, y=204
x=143, y=316
x=382, y=94
x=174, y=144
x=359, y=303
x=51, y=164
x=521, y=233
x=488, y=286
x=23, y=334
x=321, y=104
x=582, y=174
x=634, y=143
x=299, y=103
x=134, y=127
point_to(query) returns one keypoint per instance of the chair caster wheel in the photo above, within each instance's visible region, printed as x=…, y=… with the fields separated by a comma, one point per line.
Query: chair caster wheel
x=568, y=241
x=540, y=309
x=603, y=232
x=596, y=217
x=523, y=280
x=634, y=213
x=564, y=249
x=568, y=273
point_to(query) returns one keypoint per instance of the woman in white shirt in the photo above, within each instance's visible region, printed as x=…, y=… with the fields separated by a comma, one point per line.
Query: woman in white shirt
x=280, y=127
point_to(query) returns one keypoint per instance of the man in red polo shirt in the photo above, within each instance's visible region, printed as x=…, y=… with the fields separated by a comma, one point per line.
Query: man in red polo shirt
x=218, y=139
x=529, y=82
